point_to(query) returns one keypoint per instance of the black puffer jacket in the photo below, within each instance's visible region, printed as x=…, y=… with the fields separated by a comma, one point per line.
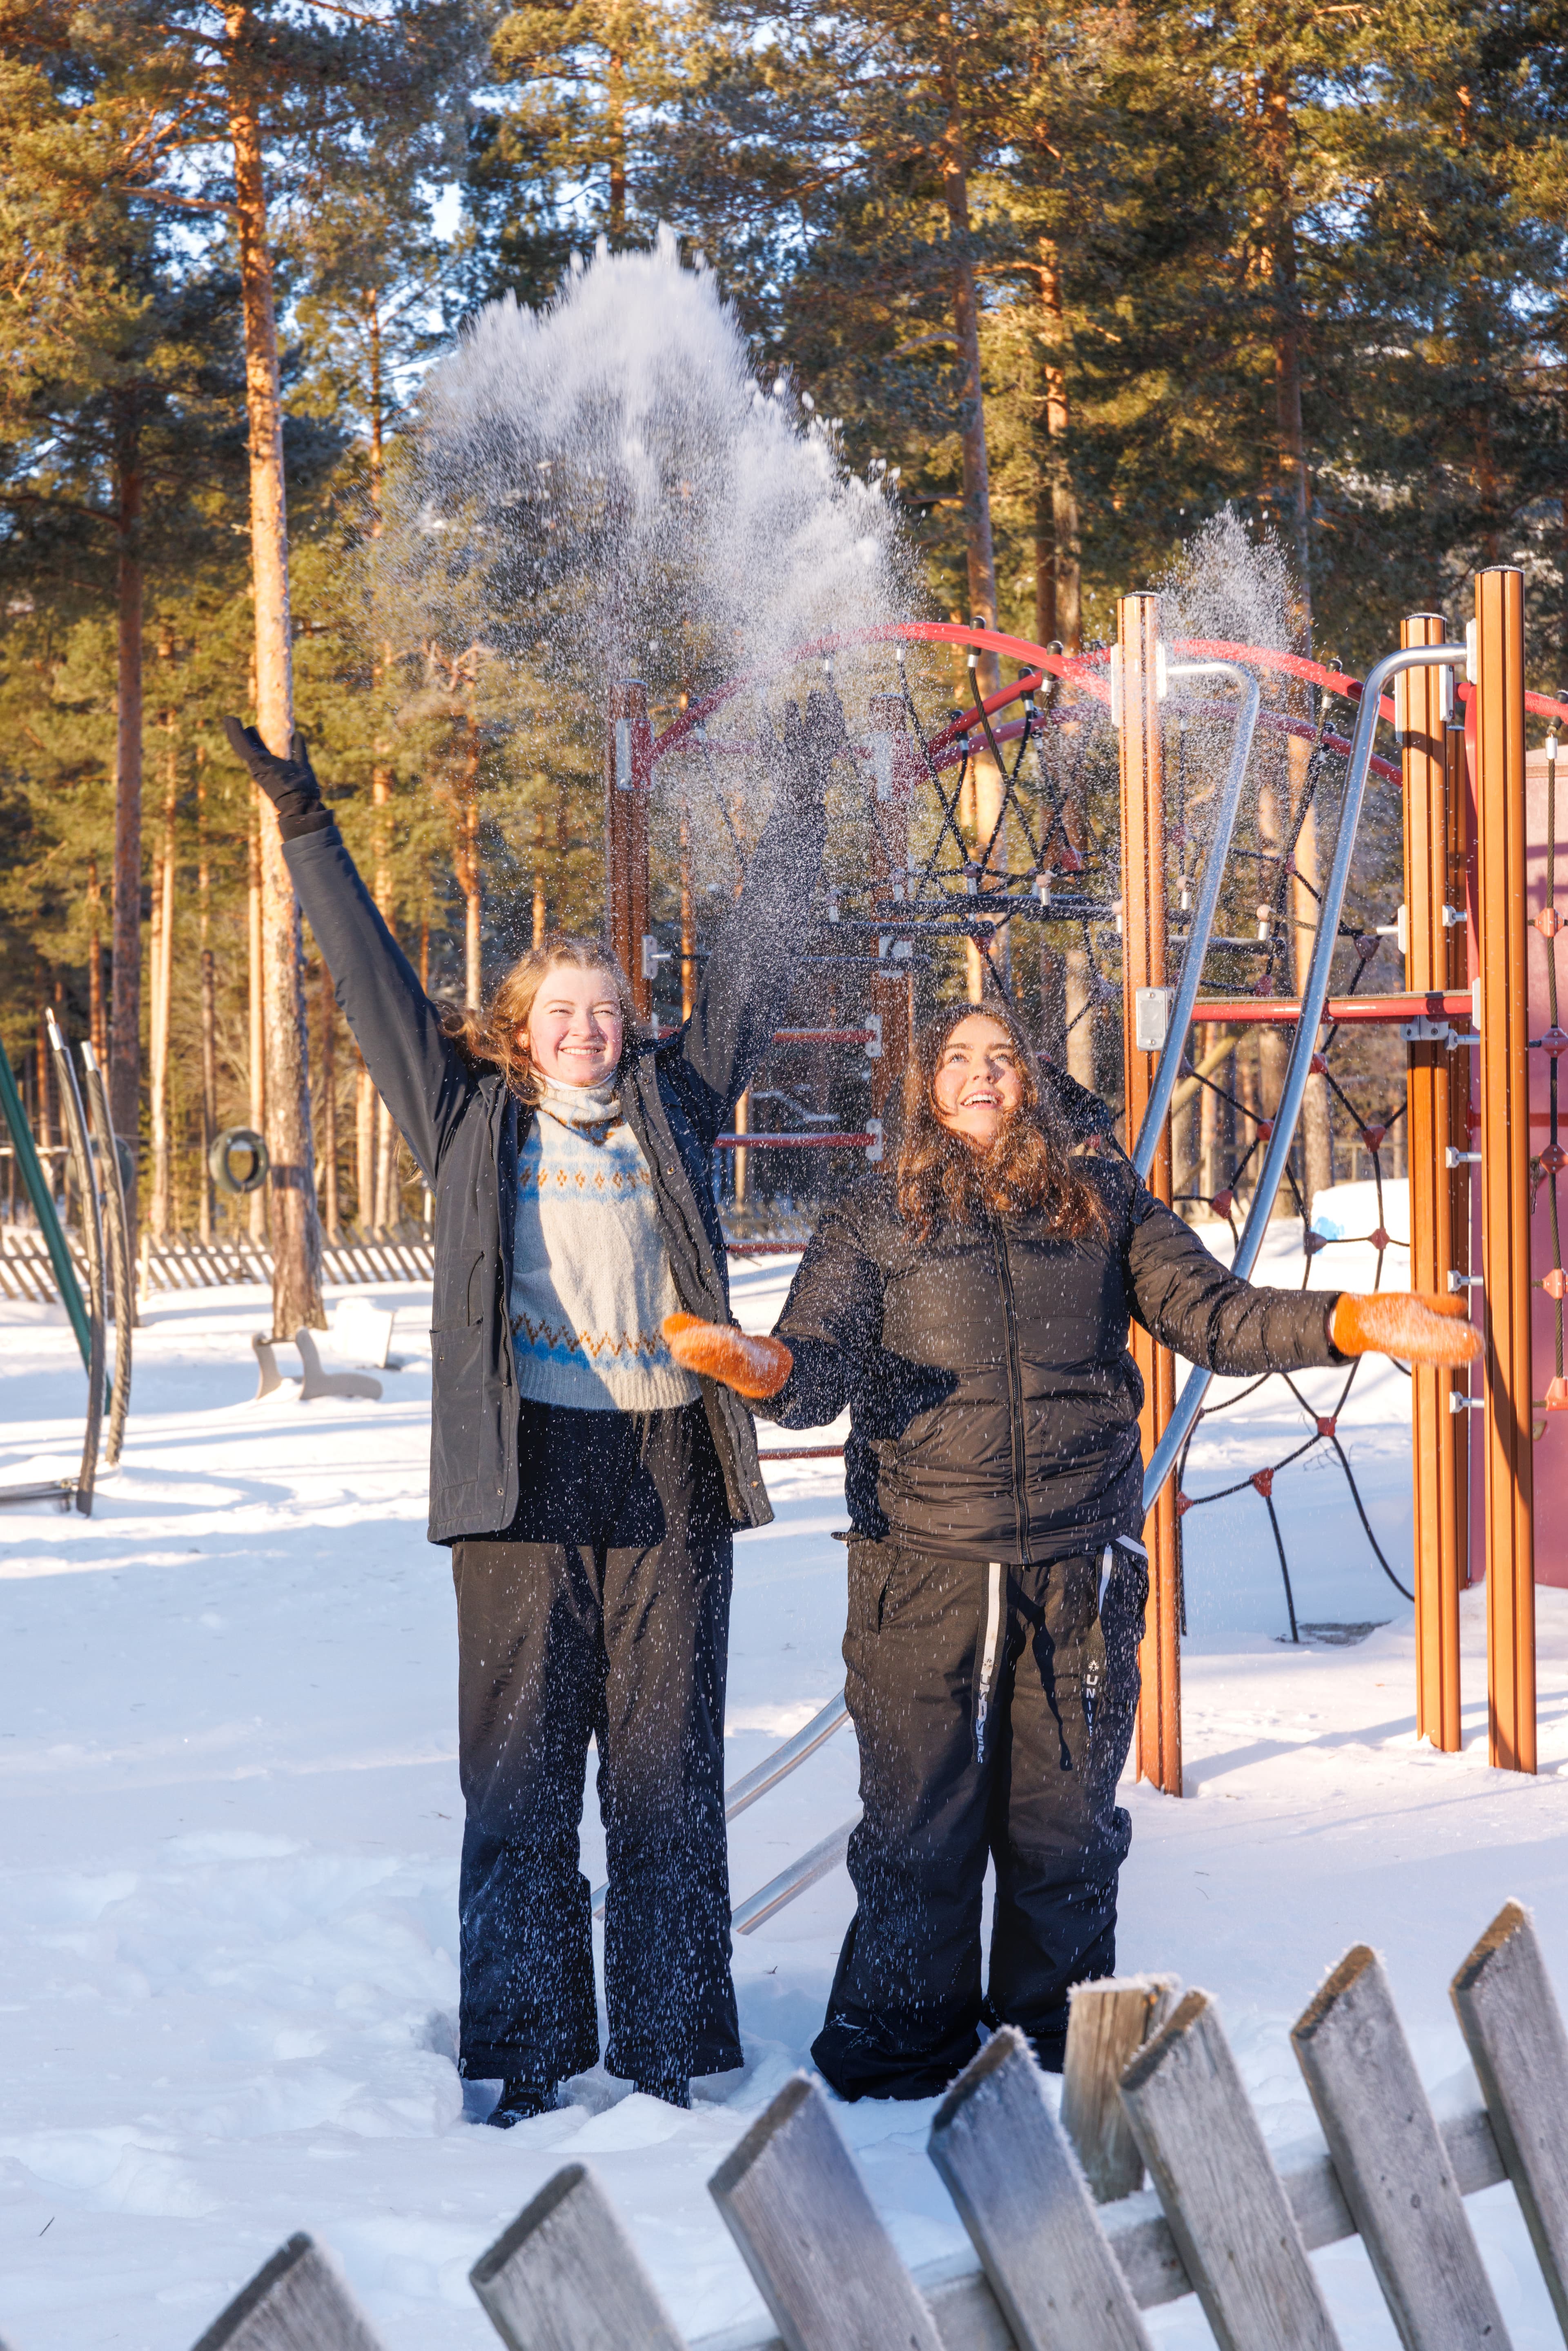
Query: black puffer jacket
x=993, y=1403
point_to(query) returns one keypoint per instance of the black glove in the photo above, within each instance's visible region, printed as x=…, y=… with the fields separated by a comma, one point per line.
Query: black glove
x=799, y=764
x=289, y=784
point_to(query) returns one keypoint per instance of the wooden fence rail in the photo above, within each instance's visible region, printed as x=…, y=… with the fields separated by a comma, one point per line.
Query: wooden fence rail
x=1051, y=2269
x=402, y=1253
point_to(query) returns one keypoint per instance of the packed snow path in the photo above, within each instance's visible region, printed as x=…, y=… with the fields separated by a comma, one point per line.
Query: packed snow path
x=228, y=1848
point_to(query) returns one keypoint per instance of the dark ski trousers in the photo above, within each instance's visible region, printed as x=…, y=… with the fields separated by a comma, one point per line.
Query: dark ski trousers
x=994, y=1706
x=603, y=1613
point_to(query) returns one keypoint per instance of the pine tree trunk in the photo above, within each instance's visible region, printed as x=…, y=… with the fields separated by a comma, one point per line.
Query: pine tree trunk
x=1293, y=483
x=1058, y=573
x=542, y=905
x=329, y=1106
x=295, y=1226
x=467, y=860
x=95, y=1029
x=125, y=1014
x=258, y=1073
x=364, y=1151
x=209, y=1006
x=162, y=975
x=978, y=544
x=616, y=112
x=688, y=923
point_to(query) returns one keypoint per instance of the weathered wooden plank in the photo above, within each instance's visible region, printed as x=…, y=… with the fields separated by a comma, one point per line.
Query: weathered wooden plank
x=1228, y=2211
x=566, y=2277
x=1108, y=2022
x=297, y=2303
x=964, y=2309
x=824, y=2264
x=1513, y=2030
x=1392, y=2163
x=1006, y=2164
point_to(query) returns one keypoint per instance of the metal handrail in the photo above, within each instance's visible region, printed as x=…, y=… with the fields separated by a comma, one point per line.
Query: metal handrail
x=1314, y=996
x=750, y=1914
x=1207, y=905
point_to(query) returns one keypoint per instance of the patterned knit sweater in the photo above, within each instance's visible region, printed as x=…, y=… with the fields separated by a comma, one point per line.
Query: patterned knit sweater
x=591, y=1276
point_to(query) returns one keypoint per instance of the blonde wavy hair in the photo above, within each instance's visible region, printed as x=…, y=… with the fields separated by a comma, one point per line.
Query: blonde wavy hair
x=497, y=1038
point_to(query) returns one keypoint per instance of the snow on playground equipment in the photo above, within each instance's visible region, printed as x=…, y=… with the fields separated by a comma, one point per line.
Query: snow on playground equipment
x=1464, y=806
x=1067, y=2247
x=94, y=1160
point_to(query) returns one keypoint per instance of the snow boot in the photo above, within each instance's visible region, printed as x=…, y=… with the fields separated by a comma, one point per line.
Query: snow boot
x=520, y=2101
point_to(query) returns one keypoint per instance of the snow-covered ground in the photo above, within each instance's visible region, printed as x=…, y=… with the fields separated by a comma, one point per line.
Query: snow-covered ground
x=230, y=1822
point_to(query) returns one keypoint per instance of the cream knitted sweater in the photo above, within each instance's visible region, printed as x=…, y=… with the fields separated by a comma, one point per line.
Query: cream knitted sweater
x=591, y=1276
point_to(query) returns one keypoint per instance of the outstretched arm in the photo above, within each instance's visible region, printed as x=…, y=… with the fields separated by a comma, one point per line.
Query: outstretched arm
x=1192, y=1304
x=417, y=1070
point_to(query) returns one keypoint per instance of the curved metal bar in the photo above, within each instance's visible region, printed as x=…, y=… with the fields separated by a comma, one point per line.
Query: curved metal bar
x=772, y=1768
x=786, y=1759
x=92, y=1240
x=748, y=1916
x=1207, y=906
x=1314, y=996
x=119, y=1248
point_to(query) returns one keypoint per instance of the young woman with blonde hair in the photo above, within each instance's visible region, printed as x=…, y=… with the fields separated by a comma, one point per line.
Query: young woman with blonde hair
x=587, y=1483
x=972, y=1314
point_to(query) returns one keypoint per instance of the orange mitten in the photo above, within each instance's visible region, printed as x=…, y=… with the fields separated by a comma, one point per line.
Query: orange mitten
x=1416, y=1325
x=756, y=1368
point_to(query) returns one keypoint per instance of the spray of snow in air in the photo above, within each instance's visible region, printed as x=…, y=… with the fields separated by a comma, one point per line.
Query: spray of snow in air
x=604, y=489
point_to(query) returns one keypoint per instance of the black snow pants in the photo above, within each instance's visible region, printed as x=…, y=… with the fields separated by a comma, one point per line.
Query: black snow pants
x=994, y=1706
x=601, y=1612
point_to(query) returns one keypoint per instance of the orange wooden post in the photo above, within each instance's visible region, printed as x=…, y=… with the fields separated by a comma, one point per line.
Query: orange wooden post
x=1143, y=968
x=897, y=771
x=1423, y=701
x=628, y=770
x=1508, y=1504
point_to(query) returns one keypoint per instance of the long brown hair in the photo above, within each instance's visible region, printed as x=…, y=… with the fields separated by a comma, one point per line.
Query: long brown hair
x=497, y=1038
x=1029, y=1168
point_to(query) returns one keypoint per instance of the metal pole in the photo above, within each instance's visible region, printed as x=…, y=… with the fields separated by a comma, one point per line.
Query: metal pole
x=92, y=1245
x=1314, y=995
x=1143, y=980
x=44, y=1208
x=1423, y=701
x=117, y=1247
x=1207, y=906
x=1509, y=1499
x=628, y=768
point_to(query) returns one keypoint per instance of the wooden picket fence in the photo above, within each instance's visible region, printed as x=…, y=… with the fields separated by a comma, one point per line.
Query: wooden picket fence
x=1068, y=2248
x=402, y=1253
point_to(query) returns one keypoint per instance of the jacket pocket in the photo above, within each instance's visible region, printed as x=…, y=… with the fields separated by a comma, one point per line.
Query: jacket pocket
x=454, y=1305
x=457, y=1416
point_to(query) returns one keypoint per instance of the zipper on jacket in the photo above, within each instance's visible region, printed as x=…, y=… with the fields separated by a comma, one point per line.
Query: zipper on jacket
x=1015, y=1385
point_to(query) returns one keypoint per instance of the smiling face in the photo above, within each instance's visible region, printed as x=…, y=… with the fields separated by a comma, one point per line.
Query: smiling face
x=978, y=1083
x=575, y=1029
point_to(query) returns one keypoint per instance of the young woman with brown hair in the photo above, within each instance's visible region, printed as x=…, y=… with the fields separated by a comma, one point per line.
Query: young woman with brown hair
x=589, y=1484
x=973, y=1316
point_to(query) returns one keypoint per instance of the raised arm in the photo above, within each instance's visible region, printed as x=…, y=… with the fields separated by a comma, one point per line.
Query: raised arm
x=746, y=987
x=417, y=1070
